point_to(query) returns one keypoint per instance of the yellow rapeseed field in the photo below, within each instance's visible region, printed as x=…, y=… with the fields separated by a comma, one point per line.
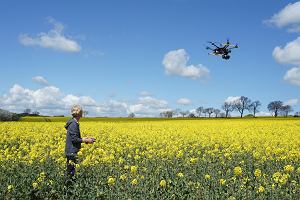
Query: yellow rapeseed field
x=163, y=159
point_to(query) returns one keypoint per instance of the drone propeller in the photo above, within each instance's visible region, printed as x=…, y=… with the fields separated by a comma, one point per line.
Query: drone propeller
x=227, y=41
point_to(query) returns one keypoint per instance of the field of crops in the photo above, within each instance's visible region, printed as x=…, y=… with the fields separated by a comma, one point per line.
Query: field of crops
x=159, y=159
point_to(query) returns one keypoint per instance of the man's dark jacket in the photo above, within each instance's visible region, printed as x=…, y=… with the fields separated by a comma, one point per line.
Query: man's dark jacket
x=73, y=141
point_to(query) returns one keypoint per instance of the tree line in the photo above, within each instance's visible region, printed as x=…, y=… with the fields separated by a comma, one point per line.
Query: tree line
x=240, y=105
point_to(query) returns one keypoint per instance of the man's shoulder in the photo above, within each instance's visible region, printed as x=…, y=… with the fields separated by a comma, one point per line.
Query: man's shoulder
x=71, y=123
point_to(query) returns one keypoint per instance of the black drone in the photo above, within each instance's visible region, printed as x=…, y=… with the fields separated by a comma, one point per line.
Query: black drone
x=223, y=50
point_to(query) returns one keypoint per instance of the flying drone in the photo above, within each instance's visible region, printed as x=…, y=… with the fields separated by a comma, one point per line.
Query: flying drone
x=223, y=50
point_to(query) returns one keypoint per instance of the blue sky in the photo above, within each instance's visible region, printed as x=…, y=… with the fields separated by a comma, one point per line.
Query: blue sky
x=118, y=57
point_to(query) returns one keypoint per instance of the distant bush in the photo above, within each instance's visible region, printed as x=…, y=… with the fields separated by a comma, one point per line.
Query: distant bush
x=8, y=116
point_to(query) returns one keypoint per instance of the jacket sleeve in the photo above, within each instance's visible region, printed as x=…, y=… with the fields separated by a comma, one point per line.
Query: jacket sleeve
x=74, y=133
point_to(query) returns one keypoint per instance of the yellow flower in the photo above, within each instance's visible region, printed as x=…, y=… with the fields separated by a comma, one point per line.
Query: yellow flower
x=123, y=177
x=163, y=183
x=134, y=182
x=133, y=169
x=222, y=181
x=231, y=198
x=10, y=188
x=207, y=176
x=273, y=186
x=237, y=171
x=276, y=176
x=180, y=175
x=288, y=168
x=261, y=189
x=42, y=175
x=193, y=160
x=121, y=160
x=40, y=179
x=257, y=173
x=245, y=180
x=180, y=154
x=34, y=185
x=298, y=170
x=111, y=181
x=283, y=179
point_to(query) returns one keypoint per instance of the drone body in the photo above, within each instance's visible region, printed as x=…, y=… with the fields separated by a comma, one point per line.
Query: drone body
x=221, y=49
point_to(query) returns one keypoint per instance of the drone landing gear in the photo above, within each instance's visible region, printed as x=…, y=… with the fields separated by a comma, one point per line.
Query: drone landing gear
x=226, y=57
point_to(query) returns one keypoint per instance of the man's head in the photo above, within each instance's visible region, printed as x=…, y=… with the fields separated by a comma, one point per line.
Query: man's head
x=76, y=111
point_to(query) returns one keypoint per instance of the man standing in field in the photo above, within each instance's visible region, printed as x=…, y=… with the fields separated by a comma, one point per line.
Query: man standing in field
x=73, y=142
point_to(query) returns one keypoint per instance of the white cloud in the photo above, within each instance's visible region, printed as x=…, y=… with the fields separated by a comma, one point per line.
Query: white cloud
x=290, y=54
x=40, y=80
x=291, y=102
x=184, y=101
x=153, y=102
x=288, y=16
x=232, y=99
x=54, y=39
x=50, y=100
x=175, y=63
x=70, y=100
x=292, y=76
x=21, y=98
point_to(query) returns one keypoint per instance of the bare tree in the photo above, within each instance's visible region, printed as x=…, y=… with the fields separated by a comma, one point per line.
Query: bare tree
x=192, y=115
x=216, y=111
x=131, y=115
x=222, y=115
x=297, y=114
x=184, y=113
x=275, y=107
x=242, y=104
x=167, y=114
x=85, y=113
x=227, y=107
x=27, y=111
x=254, y=107
x=210, y=111
x=36, y=113
x=286, y=109
x=205, y=111
x=199, y=110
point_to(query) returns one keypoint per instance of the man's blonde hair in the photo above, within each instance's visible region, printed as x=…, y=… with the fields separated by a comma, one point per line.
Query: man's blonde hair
x=76, y=111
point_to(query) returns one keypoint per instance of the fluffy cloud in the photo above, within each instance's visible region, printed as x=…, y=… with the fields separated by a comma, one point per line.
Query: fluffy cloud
x=153, y=102
x=70, y=100
x=289, y=54
x=54, y=39
x=291, y=102
x=40, y=80
x=232, y=99
x=184, y=101
x=20, y=98
x=292, y=76
x=288, y=16
x=175, y=63
x=143, y=107
x=50, y=100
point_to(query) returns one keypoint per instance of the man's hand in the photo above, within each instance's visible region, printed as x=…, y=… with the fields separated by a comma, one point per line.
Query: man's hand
x=88, y=140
